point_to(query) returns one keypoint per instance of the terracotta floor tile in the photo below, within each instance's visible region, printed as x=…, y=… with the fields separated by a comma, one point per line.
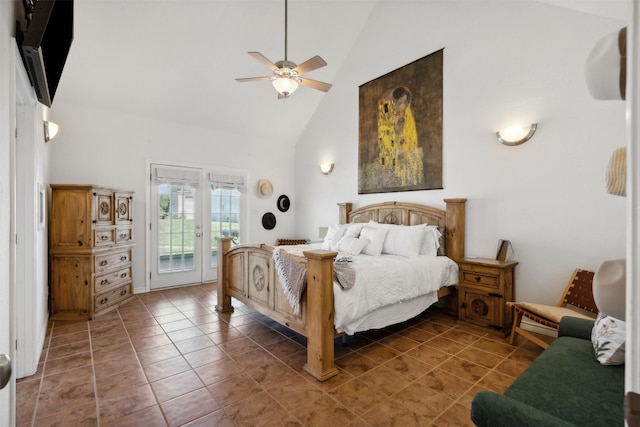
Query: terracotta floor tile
x=176, y=385
x=128, y=402
x=445, y=383
x=70, y=362
x=481, y=357
x=357, y=396
x=166, y=368
x=385, y=380
x=148, y=417
x=157, y=354
x=236, y=387
x=217, y=419
x=389, y=413
x=114, y=385
x=194, y=344
x=408, y=366
x=190, y=365
x=189, y=407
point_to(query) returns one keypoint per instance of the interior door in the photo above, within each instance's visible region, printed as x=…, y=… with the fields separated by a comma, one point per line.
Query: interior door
x=176, y=225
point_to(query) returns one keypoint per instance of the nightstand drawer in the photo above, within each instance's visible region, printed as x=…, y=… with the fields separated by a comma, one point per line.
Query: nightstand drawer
x=484, y=280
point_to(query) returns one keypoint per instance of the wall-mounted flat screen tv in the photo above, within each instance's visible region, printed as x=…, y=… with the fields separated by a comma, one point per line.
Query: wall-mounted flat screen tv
x=45, y=45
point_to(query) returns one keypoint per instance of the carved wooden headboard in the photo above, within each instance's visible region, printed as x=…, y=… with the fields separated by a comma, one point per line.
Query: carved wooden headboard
x=453, y=219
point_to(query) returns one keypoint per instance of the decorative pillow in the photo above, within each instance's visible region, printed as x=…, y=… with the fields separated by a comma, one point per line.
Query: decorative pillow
x=353, y=230
x=404, y=240
x=430, y=241
x=442, y=247
x=351, y=245
x=333, y=236
x=608, y=336
x=375, y=237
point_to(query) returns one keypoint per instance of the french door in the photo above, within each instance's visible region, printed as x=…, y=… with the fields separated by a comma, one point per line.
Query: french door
x=189, y=208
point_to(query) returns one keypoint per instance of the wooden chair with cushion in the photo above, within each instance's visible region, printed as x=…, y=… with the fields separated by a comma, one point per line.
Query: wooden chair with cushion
x=577, y=301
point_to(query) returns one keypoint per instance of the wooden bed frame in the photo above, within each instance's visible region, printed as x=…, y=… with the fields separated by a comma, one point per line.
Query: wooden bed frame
x=247, y=273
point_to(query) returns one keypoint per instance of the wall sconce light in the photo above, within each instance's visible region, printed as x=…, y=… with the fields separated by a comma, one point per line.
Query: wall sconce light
x=50, y=130
x=516, y=135
x=326, y=168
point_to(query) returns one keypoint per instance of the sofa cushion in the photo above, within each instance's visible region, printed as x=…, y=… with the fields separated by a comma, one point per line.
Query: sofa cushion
x=568, y=383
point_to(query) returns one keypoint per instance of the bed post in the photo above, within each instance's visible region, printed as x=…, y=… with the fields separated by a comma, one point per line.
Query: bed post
x=455, y=228
x=345, y=210
x=224, y=300
x=319, y=314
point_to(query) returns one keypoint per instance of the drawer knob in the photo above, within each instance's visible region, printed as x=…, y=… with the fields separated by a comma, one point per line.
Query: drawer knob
x=123, y=235
x=123, y=292
x=123, y=275
x=103, y=263
x=478, y=279
x=104, y=237
x=104, y=282
x=104, y=300
x=123, y=258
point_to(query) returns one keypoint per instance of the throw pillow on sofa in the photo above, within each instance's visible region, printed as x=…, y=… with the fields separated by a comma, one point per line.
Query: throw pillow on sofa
x=608, y=337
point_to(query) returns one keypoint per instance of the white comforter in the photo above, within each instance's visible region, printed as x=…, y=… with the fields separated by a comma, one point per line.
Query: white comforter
x=386, y=280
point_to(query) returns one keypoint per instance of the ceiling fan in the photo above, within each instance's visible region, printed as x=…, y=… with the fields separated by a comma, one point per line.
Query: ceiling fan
x=287, y=75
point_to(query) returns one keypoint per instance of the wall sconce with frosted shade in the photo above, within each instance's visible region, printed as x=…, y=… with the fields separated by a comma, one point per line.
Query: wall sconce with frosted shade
x=50, y=130
x=326, y=168
x=516, y=135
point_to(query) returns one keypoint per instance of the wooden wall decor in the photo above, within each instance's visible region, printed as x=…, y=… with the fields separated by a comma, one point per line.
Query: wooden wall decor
x=400, y=129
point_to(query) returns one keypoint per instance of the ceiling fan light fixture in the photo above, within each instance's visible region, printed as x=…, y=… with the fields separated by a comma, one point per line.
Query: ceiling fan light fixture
x=285, y=85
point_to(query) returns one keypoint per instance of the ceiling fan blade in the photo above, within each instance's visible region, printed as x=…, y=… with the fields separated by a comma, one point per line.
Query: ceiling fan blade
x=315, y=84
x=263, y=60
x=253, y=79
x=310, y=65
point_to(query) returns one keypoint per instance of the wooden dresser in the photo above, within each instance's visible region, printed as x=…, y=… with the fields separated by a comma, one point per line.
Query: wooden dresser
x=90, y=244
x=484, y=288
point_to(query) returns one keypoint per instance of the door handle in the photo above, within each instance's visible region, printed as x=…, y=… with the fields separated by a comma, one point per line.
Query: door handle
x=198, y=234
x=5, y=370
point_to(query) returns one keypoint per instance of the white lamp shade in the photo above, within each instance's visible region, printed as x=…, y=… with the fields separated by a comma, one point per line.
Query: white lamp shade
x=609, y=288
x=603, y=69
x=285, y=86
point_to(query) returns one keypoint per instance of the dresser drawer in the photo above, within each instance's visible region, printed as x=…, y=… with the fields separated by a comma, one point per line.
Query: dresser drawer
x=113, y=297
x=104, y=282
x=124, y=234
x=112, y=260
x=103, y=237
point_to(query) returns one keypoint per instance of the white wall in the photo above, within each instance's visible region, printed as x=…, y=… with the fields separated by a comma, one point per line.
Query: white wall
x=503, y=61
x=111, y=149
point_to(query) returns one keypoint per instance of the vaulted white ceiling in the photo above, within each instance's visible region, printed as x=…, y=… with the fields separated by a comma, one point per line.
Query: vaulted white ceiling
x=177, y=60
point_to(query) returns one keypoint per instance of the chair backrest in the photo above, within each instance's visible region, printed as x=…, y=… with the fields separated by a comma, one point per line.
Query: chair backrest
x=579, y=291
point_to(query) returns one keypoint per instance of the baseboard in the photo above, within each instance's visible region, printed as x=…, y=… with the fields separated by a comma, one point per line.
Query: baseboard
x=531, y=326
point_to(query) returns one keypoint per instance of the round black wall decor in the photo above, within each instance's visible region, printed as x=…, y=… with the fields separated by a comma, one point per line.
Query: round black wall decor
x=268, y=221
x=283, y=203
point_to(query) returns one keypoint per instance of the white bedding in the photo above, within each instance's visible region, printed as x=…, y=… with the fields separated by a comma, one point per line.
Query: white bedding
x=383, y=281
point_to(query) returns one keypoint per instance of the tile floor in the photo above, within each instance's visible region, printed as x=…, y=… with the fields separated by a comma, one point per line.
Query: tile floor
x=167, y=358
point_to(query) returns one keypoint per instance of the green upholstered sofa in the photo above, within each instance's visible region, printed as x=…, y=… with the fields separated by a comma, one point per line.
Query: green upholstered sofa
x=564, y=386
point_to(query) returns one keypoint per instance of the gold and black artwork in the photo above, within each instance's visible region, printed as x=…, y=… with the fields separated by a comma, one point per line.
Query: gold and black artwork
x=400, y=129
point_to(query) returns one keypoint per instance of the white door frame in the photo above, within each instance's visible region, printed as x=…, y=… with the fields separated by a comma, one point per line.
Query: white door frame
x=206, y=201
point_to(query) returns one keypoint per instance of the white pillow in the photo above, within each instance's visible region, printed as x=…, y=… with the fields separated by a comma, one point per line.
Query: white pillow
x=353, y=230
x=430, y=241
x=404, y=240
x=608, y=336
x=333, y=236
x=375, y=237
x=351, y=245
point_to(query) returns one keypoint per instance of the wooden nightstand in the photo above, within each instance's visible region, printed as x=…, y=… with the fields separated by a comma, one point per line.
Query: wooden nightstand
x=484, y=288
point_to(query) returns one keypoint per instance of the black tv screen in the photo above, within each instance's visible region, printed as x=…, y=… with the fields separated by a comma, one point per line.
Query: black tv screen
x=45, y=46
